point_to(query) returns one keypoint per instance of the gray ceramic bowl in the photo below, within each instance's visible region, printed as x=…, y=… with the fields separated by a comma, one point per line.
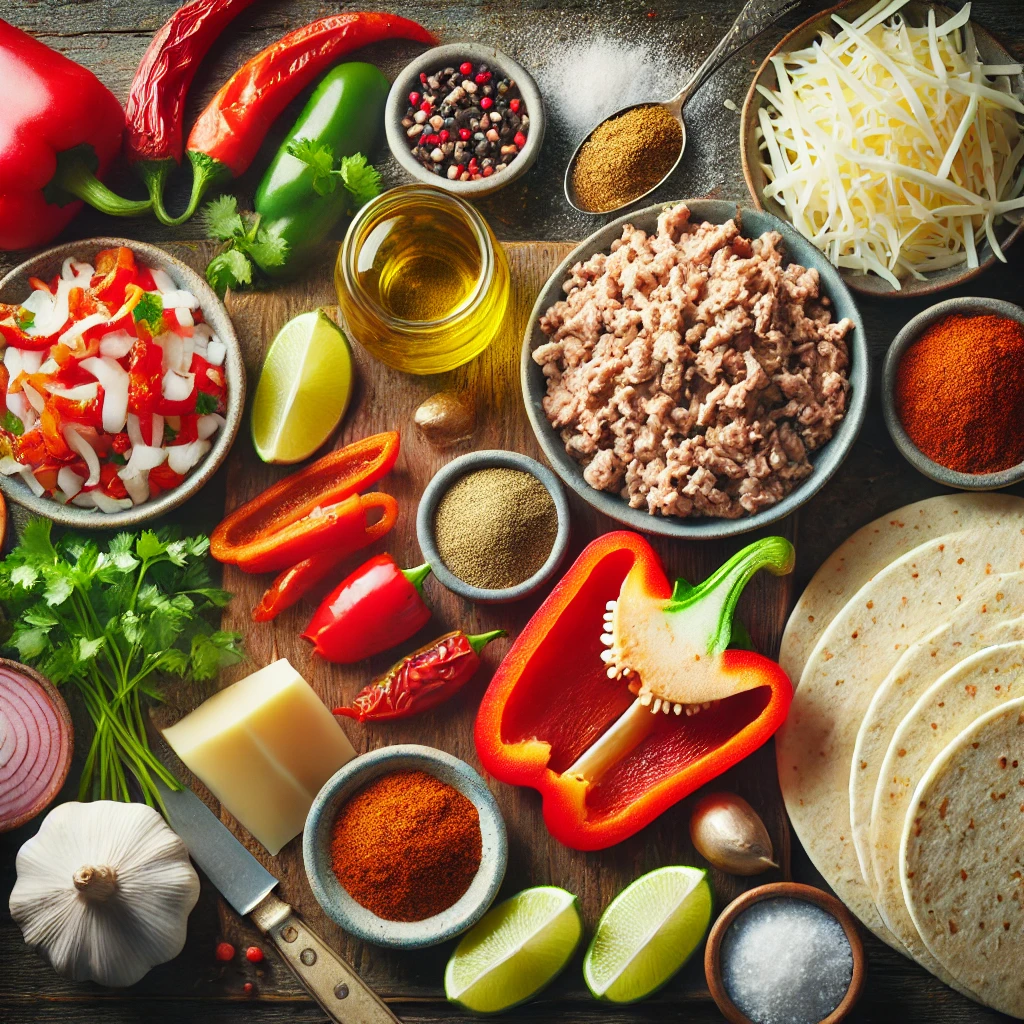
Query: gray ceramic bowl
x=826, y=460
x=992, y=52
x=442, y=483
x=15, y=287
x=443, y=56
x=967, y=306
x=355, y=918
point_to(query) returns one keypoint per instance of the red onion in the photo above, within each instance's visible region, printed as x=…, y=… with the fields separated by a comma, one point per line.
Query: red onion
x=36, y=740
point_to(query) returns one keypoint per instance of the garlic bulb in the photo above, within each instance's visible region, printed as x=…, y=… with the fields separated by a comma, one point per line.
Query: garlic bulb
x=104, y=891
x=727, y=832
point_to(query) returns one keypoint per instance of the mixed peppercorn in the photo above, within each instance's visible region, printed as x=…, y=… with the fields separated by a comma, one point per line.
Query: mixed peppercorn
x=466, y=123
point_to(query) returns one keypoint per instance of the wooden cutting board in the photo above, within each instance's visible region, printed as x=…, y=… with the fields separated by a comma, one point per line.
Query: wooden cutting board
x=386, y=400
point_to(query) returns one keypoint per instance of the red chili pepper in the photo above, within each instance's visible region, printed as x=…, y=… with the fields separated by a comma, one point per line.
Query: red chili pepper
x=421, y=680
x=60, y=129
x=227, y=136
x=373, y=610
x=293, y=583
x=339, y=528
x=156, y=99
x=145, y=381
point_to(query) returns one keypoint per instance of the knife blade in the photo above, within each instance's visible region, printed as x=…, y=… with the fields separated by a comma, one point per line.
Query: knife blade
x=248, y=886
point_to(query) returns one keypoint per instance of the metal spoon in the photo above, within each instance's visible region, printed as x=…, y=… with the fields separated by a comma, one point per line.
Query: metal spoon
x=756, y=16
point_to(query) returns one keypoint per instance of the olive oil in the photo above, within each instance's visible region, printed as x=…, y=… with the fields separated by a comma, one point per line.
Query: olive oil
x=421, y=281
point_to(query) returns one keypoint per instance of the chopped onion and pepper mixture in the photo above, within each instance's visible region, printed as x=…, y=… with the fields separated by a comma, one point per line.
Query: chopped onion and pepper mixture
x=113, y=385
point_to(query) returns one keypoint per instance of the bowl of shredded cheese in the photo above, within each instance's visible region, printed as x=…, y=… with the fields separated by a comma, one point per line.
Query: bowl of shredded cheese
x=891, y=135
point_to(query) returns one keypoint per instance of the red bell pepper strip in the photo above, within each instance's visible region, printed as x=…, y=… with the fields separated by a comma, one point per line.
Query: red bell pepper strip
x=327, y=481
x=227, y=136
x=115, y=271
x=338, y=528
x=421, y=680
x=295, y=583
x=60, y=129
x=156, y=100
x=376, y=608
x=562, y=714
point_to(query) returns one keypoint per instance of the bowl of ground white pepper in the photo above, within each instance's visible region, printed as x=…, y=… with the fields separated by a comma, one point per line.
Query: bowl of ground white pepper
x=494, y=526
x=465, y=117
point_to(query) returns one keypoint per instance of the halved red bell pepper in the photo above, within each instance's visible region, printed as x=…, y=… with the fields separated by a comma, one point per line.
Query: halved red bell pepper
x=587, y=707
x=327, y=481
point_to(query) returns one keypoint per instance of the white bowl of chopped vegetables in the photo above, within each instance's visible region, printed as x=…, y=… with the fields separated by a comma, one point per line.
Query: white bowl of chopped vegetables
x=121, y=382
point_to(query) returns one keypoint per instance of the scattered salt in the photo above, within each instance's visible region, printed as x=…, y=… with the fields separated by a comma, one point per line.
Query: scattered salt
x=786, y=961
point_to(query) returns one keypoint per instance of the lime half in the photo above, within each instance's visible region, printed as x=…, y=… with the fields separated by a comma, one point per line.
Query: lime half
x=304, y=388
x=647, y=933
x=514, y=950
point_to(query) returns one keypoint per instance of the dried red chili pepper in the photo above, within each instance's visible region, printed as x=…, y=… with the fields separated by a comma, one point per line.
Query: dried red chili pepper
x=156, y=100
x=227, y=136
x=421, y=680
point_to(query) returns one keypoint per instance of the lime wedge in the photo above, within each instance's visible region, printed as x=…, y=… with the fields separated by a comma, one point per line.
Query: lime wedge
x=514, y=950
x=647, y=933
x=303, y=390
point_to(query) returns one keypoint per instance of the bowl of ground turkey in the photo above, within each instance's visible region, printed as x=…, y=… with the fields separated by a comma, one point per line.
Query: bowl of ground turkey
x=696, y=369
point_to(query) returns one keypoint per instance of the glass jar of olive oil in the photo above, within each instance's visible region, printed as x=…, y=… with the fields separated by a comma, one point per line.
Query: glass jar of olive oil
x=422, y=282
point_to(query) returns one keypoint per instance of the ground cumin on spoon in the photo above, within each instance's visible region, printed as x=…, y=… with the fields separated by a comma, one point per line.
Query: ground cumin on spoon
x=626, y=157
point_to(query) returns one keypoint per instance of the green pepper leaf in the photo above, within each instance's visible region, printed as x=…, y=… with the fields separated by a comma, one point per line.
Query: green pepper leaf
x=229, y=269
x=223, y=220
x=361, y=179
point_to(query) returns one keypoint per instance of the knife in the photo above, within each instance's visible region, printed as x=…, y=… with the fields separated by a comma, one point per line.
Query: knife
x=247, y=885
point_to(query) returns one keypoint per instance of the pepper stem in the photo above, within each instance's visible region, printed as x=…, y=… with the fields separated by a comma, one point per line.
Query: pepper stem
x=154, y=176
x=75, y=177
x=205, y=171
x=480, y=640
x=417, y=576
x=718, y=595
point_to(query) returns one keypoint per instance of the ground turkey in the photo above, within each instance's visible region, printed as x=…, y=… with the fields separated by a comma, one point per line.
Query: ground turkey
x=692, y=371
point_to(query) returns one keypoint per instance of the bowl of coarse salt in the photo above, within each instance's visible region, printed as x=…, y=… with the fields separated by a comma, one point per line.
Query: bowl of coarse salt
x=785, y=951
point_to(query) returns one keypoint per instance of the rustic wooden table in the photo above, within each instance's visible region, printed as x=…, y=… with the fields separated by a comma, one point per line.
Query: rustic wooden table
x=109, y=37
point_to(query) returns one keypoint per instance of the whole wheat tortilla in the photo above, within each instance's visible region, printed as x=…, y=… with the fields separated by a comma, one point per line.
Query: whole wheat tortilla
x=896, y=608
x=986, y=680
x=962, y=858
x=974, y=625
x=871, y=549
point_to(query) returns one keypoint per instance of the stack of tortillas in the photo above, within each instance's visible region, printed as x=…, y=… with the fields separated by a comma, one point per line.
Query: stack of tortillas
x=902, y=759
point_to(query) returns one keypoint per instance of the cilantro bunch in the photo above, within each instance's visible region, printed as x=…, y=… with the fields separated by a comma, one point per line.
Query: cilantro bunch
x=113, y=621
x=248, y=246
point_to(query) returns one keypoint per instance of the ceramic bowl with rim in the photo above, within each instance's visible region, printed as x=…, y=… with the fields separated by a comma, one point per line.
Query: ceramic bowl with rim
x=792, y=891
x=992, y=52
x=354, y=918
x=967, y=306
x=443, y=481
x=14, y=287
x=452, y=54
x=825, y=461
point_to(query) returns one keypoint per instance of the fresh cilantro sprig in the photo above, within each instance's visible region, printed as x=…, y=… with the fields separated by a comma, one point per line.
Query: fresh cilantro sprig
x=247, y=245
x=114, y=621
x=354, y=173
x=149, y=310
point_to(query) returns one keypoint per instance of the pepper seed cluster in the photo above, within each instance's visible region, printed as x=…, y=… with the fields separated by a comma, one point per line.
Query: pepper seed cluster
x=466, y=124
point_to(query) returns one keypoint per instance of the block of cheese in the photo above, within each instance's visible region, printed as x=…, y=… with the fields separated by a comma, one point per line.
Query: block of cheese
x=264, y=746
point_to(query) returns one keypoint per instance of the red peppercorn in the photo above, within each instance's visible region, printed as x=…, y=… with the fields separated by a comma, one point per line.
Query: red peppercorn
x=466, y=68
x=520, y=139
x=426, y=107
x=423, y=77
x=514, y=105
x=254, y=954
x=429, y=140
x=473, y=165
x=248, y=988
x=444, y=135
x=486, y=103
x=224, y=951
x=465, y=134
x=414, y=99
x=488, y=171
x=460, y=170
x=482, y=78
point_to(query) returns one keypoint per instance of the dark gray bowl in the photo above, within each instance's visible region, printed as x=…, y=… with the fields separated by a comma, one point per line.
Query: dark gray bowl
x=826, y=460
x=442, y=56
x=355, y=918
x=992, y=52
x=442, y=482
x=969, y=306
x=14, y=287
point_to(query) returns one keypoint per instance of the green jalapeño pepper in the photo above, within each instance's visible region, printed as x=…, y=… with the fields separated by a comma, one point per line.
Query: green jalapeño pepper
x=312, y=182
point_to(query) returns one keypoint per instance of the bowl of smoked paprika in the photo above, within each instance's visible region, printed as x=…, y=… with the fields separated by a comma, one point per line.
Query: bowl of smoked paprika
x=405, y=847
x=953, y=393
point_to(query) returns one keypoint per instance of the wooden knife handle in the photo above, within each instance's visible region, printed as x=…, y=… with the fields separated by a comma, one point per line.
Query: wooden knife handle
x=328, y=979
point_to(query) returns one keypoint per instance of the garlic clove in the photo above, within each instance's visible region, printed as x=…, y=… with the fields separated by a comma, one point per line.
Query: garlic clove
x=728, y=833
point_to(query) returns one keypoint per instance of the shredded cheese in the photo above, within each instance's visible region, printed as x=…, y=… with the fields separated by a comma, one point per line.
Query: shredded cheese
x=892, y=147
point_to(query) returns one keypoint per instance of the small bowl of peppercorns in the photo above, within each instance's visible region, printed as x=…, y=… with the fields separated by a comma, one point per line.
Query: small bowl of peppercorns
x=466, y=118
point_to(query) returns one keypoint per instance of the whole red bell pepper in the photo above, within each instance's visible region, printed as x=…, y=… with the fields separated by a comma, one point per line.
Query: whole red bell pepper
x=373, y=610
x=588, y=705
x=59, y=129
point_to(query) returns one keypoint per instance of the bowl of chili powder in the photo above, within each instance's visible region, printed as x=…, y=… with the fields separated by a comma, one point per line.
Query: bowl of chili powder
x=405, y=847
x=953, y=393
